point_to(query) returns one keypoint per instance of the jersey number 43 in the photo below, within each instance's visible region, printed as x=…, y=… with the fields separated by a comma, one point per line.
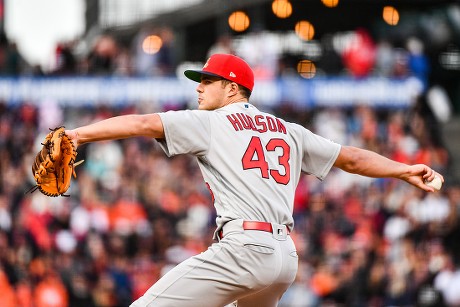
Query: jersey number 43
x=254, y=157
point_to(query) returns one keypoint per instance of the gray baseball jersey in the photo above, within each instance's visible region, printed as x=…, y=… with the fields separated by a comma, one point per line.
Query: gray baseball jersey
x=250, y=160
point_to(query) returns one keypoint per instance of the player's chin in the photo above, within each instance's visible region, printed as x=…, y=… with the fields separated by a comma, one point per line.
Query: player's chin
x=202, y=106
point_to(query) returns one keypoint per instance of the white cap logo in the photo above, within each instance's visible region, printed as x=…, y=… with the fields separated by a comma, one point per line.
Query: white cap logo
x=232, y=74
x=206, y=64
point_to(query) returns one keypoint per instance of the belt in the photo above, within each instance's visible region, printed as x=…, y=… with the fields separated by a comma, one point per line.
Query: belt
x=257, y=225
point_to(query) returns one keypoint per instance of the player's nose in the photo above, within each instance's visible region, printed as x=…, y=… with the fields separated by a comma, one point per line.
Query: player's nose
x=199, y=88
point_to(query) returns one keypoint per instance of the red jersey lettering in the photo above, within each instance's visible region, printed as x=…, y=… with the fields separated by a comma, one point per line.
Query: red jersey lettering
x=235, y=122
x=259, y=123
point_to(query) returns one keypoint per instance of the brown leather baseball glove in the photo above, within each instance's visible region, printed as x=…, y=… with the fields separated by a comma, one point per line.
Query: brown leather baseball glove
x=54, y=164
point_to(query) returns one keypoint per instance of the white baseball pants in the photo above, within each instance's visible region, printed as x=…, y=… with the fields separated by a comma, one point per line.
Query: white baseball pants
x=251, y=267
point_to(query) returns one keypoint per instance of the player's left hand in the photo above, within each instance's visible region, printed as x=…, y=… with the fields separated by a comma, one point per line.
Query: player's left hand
x=73, y=136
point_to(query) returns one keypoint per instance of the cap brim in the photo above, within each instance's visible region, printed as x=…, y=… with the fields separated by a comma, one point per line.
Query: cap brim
x=195, y=75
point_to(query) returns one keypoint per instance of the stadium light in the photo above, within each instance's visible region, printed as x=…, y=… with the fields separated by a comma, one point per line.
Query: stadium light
x=282, y=8
x=238, y=21
x=305, y=30
x=390, y=15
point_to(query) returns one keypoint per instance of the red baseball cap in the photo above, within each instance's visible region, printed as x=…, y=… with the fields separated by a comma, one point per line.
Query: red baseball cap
x=227, y=66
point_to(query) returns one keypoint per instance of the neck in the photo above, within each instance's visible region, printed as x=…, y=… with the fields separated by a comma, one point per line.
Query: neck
x=235, y=99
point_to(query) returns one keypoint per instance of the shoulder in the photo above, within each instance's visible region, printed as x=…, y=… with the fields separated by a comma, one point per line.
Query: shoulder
x=185, y=114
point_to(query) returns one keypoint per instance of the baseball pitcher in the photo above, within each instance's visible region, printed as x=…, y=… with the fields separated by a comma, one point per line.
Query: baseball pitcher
x=251, y=161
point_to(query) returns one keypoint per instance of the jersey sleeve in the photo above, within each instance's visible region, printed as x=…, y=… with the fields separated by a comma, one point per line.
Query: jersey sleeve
x=319, y=154
x=186, y=132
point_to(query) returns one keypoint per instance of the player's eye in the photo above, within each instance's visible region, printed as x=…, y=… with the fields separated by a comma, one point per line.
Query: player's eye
x=209, y=80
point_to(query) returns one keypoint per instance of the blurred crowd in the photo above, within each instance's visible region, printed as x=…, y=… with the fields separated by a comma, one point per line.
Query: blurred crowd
x=132, y=213
x=154, y=52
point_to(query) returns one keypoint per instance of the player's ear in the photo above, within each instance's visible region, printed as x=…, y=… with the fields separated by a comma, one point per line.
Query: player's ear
x=234, y=89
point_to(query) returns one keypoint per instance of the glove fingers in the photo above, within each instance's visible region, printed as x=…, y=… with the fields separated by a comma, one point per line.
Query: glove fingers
x=63, y=179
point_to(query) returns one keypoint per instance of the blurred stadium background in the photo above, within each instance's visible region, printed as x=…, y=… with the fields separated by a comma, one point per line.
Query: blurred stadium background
x=379, y=74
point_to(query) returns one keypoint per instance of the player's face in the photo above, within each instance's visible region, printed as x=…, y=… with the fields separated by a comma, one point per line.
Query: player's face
x=211, y=93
